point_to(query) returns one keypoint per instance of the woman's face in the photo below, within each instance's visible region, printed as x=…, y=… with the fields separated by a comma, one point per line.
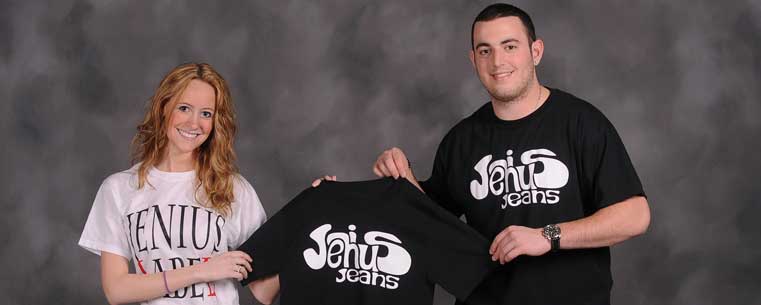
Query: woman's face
x=192, y=119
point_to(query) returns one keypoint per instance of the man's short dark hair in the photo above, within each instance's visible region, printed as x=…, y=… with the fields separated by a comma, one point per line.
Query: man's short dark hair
x=499, y=10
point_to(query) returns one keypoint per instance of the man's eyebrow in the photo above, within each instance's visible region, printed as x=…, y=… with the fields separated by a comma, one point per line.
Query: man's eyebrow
x=509, y=40
x=482, y=44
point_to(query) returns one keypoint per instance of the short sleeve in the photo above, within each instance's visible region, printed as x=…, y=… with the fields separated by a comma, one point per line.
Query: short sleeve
x=436, y=186
x=456, y=255
x=461, y=261
x=248, y=213
x=104, y=229
x=268, y=245
x=608, y=173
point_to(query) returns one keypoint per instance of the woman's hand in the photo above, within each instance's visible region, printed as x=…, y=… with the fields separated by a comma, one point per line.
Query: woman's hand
x=233, y=264
x=317, y=182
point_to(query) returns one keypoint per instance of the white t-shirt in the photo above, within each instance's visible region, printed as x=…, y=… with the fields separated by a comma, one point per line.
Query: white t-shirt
x=162, y=227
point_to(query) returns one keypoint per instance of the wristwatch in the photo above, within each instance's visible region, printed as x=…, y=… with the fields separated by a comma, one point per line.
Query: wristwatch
x=552, y=234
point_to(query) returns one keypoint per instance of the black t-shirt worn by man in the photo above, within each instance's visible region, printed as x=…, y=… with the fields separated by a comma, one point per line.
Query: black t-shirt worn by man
x=560, y=163
x=372, y=242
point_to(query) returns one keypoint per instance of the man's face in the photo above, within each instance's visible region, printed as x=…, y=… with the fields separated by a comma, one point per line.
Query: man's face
x=504, y=58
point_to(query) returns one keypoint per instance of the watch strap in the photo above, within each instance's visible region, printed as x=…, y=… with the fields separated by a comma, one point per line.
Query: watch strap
x=555, y=244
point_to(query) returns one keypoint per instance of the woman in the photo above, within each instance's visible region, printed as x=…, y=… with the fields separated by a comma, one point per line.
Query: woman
x=182, y=206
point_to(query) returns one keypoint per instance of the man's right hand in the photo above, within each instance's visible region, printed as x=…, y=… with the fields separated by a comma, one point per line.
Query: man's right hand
x=393, y=163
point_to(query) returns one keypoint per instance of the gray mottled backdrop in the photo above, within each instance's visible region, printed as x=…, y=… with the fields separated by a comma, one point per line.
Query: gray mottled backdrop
x=323, y=87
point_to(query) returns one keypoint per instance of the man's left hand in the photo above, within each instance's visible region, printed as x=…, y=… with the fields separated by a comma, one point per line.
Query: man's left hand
x=517, y=240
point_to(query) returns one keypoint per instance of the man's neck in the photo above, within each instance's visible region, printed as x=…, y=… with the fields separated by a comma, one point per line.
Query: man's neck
x=521, y=106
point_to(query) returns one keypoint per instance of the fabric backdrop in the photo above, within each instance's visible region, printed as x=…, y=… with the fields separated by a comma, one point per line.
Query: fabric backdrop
x=322, y=87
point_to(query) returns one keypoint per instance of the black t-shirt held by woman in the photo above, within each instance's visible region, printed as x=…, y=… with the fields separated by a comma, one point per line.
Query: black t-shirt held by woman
x=371, y=242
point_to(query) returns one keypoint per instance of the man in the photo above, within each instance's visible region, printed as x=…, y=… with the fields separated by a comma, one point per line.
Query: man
x=541, y=172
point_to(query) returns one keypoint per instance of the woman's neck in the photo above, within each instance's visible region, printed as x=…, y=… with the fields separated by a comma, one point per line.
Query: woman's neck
x=177, y=163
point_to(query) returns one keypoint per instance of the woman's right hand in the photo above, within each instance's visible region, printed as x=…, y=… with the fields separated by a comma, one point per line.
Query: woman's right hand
x=317, y=182
x=232, y=264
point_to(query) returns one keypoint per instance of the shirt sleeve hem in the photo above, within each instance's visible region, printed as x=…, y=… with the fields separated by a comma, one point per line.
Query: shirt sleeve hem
x=98, y=247
x=468, y=290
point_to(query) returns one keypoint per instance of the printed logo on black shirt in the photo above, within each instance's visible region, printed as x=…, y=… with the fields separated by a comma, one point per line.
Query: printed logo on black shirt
x=358, y=262
x=537, y=180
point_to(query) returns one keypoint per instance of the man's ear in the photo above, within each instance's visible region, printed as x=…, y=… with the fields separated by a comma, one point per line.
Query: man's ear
x=537, y=50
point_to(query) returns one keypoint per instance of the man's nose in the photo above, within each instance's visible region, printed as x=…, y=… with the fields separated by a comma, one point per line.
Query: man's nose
x=499, y=58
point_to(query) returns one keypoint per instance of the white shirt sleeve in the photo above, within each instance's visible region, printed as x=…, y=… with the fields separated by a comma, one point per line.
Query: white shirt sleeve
x=104, y=230
x=247, y=214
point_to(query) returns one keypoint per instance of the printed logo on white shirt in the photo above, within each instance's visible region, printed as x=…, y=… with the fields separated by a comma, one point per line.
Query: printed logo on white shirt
x=537, y=180
x=176, y=229
x=359, y=262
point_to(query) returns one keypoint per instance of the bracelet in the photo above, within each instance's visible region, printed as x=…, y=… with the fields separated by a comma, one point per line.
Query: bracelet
x=166, y=284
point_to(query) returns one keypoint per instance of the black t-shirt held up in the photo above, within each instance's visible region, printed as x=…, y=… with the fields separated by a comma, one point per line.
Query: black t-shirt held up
x=373, y=242
x=560, y=163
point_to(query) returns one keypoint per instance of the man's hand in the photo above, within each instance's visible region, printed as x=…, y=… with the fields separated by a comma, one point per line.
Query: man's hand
x=517, y=240
x=393, y=163
x=317, y=181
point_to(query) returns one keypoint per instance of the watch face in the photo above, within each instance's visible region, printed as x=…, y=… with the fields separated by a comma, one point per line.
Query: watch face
x=551, y=232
